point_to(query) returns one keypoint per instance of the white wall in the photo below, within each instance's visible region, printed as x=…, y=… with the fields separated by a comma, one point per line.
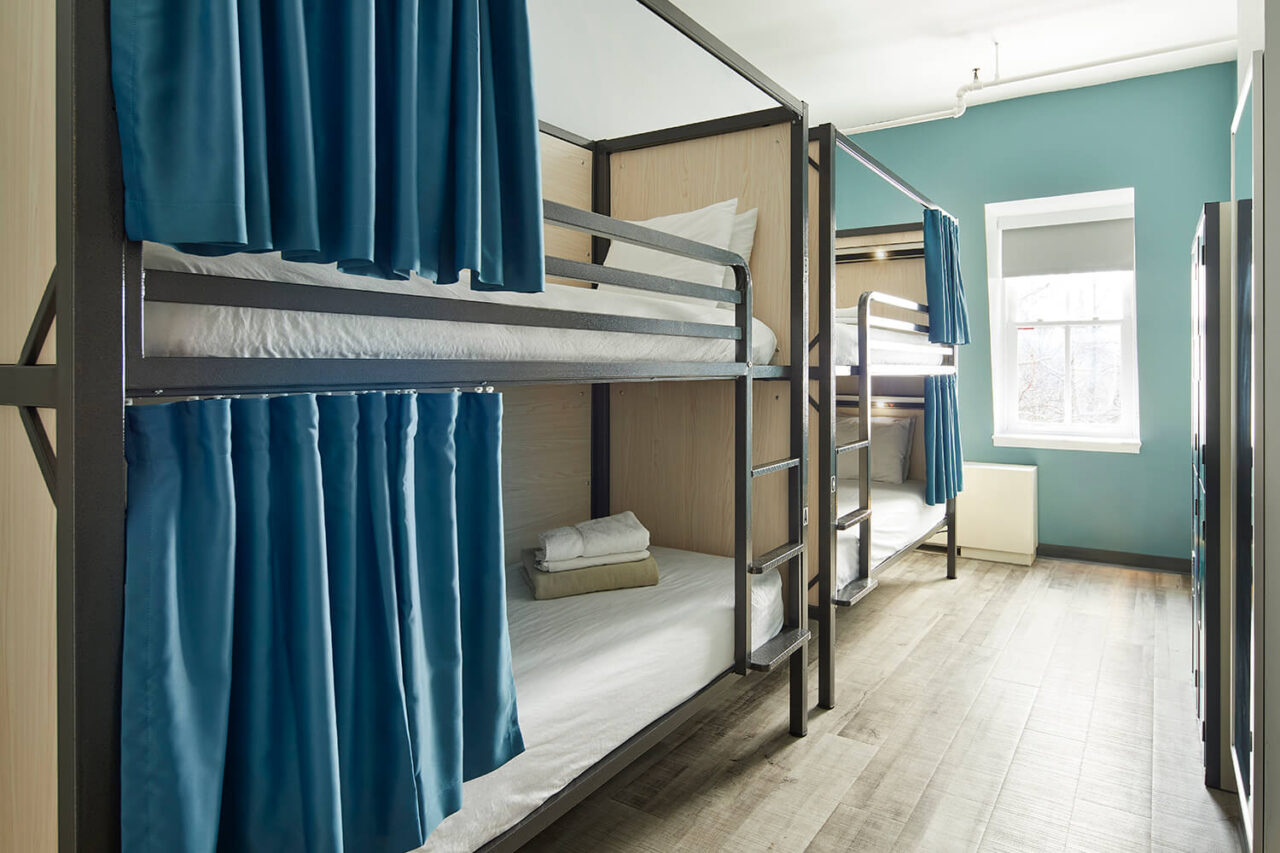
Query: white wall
x=1249, y=33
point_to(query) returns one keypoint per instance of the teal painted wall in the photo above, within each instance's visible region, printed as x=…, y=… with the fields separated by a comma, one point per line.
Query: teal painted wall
x=1168, y=137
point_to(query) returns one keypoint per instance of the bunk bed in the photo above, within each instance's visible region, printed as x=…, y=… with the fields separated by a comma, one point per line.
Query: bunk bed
x=139, y=325
x=861, y=344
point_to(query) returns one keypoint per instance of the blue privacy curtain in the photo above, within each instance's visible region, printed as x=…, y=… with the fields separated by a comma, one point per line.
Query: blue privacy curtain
x=948, y=324
x=315, y=649
x=943, y=454
x=390, y=136
x=948, y=311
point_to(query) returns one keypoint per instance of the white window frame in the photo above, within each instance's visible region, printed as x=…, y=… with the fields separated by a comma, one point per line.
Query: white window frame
x=1124, y=437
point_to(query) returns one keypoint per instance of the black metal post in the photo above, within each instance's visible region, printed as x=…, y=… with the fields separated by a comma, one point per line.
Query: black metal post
x=828, y=509
x=90, y=441
x=742, y=461
x=798, y=478
x=865, y=392
x=951, y=538
x=601, y=393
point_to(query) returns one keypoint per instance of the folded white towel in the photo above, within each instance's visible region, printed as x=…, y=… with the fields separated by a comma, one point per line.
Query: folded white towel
x=847, y=315
x=613, y=534
x=587, y=562
x=560, y=543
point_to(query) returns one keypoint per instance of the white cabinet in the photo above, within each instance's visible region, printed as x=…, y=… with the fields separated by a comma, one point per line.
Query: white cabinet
x=996, y=513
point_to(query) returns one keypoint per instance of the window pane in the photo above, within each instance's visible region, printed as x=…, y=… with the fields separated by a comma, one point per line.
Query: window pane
x=1080, y=296
x=1042, y=362
x=1095, y=374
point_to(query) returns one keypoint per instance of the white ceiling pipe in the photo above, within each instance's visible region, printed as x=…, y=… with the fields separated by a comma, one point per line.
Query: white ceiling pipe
x=963, y=93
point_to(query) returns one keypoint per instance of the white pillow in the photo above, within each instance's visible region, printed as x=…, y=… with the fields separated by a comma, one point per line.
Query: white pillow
x=712, y=225
x=741, y=241
x=890, y=448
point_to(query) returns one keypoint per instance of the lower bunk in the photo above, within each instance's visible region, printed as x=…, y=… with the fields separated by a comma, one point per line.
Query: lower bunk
x=901, y=521
x=593, y=672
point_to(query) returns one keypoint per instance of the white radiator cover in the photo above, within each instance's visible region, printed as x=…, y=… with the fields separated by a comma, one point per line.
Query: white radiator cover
x=996, y=514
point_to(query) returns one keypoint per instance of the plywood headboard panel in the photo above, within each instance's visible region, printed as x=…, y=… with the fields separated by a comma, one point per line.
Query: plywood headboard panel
x=750, y=165
x=566, y=178
x=546, y=461
x=673, y=442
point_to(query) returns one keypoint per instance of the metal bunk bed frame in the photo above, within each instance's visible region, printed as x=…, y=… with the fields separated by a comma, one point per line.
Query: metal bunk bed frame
x=96, y=294
x=830, y=521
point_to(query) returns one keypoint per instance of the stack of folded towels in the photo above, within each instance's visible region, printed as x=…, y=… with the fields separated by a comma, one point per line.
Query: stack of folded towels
x=604, y=553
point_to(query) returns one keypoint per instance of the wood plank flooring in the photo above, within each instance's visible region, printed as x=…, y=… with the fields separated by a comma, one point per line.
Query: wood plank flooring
x=1048, y=708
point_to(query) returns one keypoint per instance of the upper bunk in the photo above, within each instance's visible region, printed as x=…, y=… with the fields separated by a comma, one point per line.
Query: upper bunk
x=611, y=141
x=869, y=324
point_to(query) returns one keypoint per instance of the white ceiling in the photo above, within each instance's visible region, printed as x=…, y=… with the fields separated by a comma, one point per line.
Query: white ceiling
x=873, y=60
x=609, y=68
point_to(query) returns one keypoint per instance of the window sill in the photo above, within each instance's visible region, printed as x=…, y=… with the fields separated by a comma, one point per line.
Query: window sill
x=1068, y=442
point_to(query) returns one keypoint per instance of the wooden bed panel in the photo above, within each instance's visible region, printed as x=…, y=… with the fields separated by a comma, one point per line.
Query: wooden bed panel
x=673, y=442
x=750, y=165
x=28, y=675
x=672, y=451
x=546, y=461
x=566, y=178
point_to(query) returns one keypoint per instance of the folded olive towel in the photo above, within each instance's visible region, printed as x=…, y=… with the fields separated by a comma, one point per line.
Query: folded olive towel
x=594, y=579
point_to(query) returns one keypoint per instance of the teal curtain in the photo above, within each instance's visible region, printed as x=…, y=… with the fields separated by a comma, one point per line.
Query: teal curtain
x=948, y=324
x=391, y=137
x=315, y=650
x=948, y=311
x=943, y=453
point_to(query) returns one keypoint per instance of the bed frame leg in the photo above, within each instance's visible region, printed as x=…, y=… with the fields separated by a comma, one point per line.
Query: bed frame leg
x=800, y=691
x=951, y=539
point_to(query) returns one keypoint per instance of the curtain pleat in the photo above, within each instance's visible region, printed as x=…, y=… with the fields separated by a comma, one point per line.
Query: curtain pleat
x=388, y=137
x=299, y=623
x=948, y=310
x=948, y=324
x=943, y=453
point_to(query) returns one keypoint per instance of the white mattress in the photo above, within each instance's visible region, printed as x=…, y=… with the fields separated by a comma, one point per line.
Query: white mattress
x=592, y=670
x=846, y=347
x=899, y=516
x=172, y=329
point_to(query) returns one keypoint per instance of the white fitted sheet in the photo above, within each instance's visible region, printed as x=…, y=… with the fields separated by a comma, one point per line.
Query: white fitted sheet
x=592, y=670
x=899, y=516
x=846, y=347
x=172, y=329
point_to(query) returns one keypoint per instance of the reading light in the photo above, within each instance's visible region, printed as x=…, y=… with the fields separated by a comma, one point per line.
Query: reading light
x=880, y=254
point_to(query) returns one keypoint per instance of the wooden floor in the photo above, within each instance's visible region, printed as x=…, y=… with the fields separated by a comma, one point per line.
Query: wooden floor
x=1014, y=709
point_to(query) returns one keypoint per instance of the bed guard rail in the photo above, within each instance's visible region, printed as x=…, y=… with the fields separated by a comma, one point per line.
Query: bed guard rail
x=199, y=289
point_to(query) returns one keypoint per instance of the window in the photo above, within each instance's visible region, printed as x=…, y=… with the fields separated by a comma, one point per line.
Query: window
x=1064, y=351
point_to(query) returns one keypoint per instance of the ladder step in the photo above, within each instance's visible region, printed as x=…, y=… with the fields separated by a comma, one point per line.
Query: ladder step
x=854, y=592
x=858, y=516
x=779, y=649
x=777, y=465
x=777, y=556
x=853, y=445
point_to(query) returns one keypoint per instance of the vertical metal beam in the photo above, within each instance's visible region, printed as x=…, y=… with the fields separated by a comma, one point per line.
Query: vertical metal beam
x=798, y=478
x=742, y=462
x=1215, y=478
x=91, y=482
x=601, y=444
x=865, y=392
x=601, y=198
x=601, y=394
x=828, y=510
x=951, y=538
